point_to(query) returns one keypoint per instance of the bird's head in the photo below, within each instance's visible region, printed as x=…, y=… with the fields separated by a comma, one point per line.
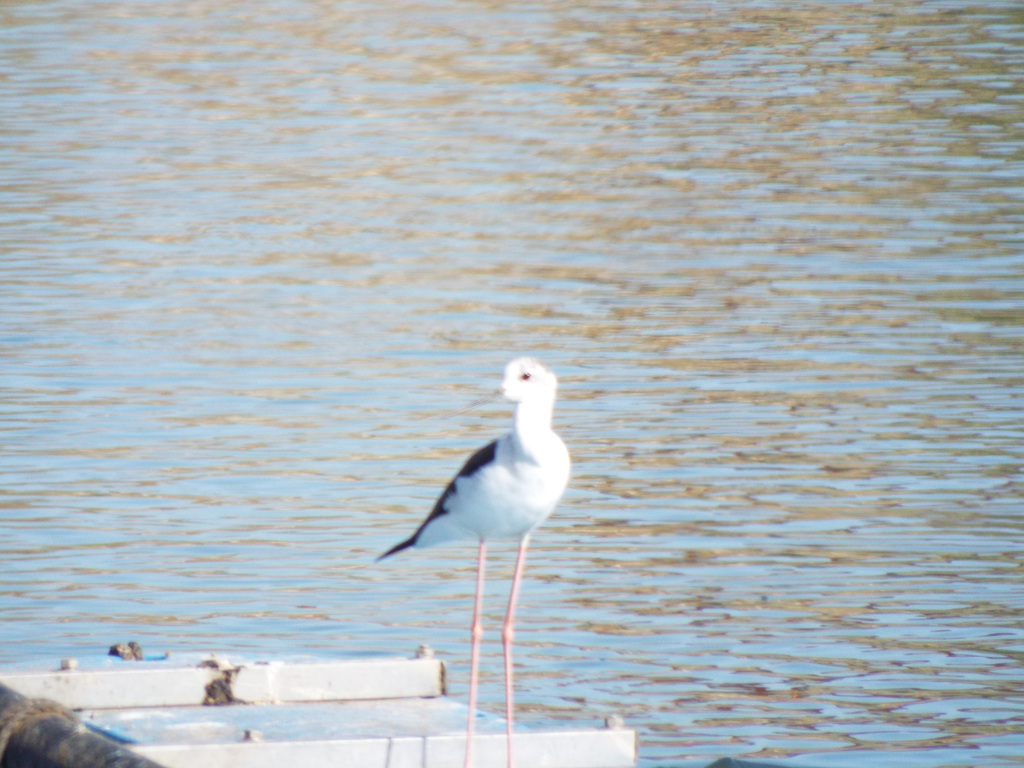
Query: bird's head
x=527, y=379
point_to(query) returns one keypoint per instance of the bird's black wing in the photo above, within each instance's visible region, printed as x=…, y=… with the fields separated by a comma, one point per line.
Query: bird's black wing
x=479, y=459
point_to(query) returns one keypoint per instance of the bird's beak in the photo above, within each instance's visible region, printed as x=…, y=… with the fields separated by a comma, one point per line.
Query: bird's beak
x=490, y=398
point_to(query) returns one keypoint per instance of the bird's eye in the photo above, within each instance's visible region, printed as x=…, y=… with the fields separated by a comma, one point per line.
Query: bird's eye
x=525, y=376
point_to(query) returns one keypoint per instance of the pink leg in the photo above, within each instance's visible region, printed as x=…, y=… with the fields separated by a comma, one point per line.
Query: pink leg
x=474, y=664
x=507, y=636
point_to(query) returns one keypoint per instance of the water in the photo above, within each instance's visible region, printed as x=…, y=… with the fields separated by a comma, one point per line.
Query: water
x=773, y=251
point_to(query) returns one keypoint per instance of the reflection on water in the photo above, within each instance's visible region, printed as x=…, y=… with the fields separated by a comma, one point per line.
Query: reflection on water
x=772, y=250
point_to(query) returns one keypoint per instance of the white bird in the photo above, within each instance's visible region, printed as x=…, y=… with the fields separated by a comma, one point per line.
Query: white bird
x=504, y=491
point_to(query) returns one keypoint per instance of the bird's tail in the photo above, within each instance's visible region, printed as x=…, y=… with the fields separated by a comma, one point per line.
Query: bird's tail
x=399, y=547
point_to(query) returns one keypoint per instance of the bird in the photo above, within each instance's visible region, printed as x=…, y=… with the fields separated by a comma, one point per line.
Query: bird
x=505, y=490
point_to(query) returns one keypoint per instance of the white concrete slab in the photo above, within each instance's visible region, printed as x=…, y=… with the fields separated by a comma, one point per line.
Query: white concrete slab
x=365, y=712
x=160, y=684
x=99, y=689
x=272, y=682
x=606, y=748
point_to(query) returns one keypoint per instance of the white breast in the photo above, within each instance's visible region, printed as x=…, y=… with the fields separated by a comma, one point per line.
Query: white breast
x=515, y=493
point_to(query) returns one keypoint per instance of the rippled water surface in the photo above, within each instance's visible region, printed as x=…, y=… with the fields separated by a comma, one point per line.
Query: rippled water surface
x=250, y=252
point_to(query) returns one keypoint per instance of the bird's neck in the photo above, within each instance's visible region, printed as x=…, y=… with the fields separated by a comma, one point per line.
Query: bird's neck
x=533, y=417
